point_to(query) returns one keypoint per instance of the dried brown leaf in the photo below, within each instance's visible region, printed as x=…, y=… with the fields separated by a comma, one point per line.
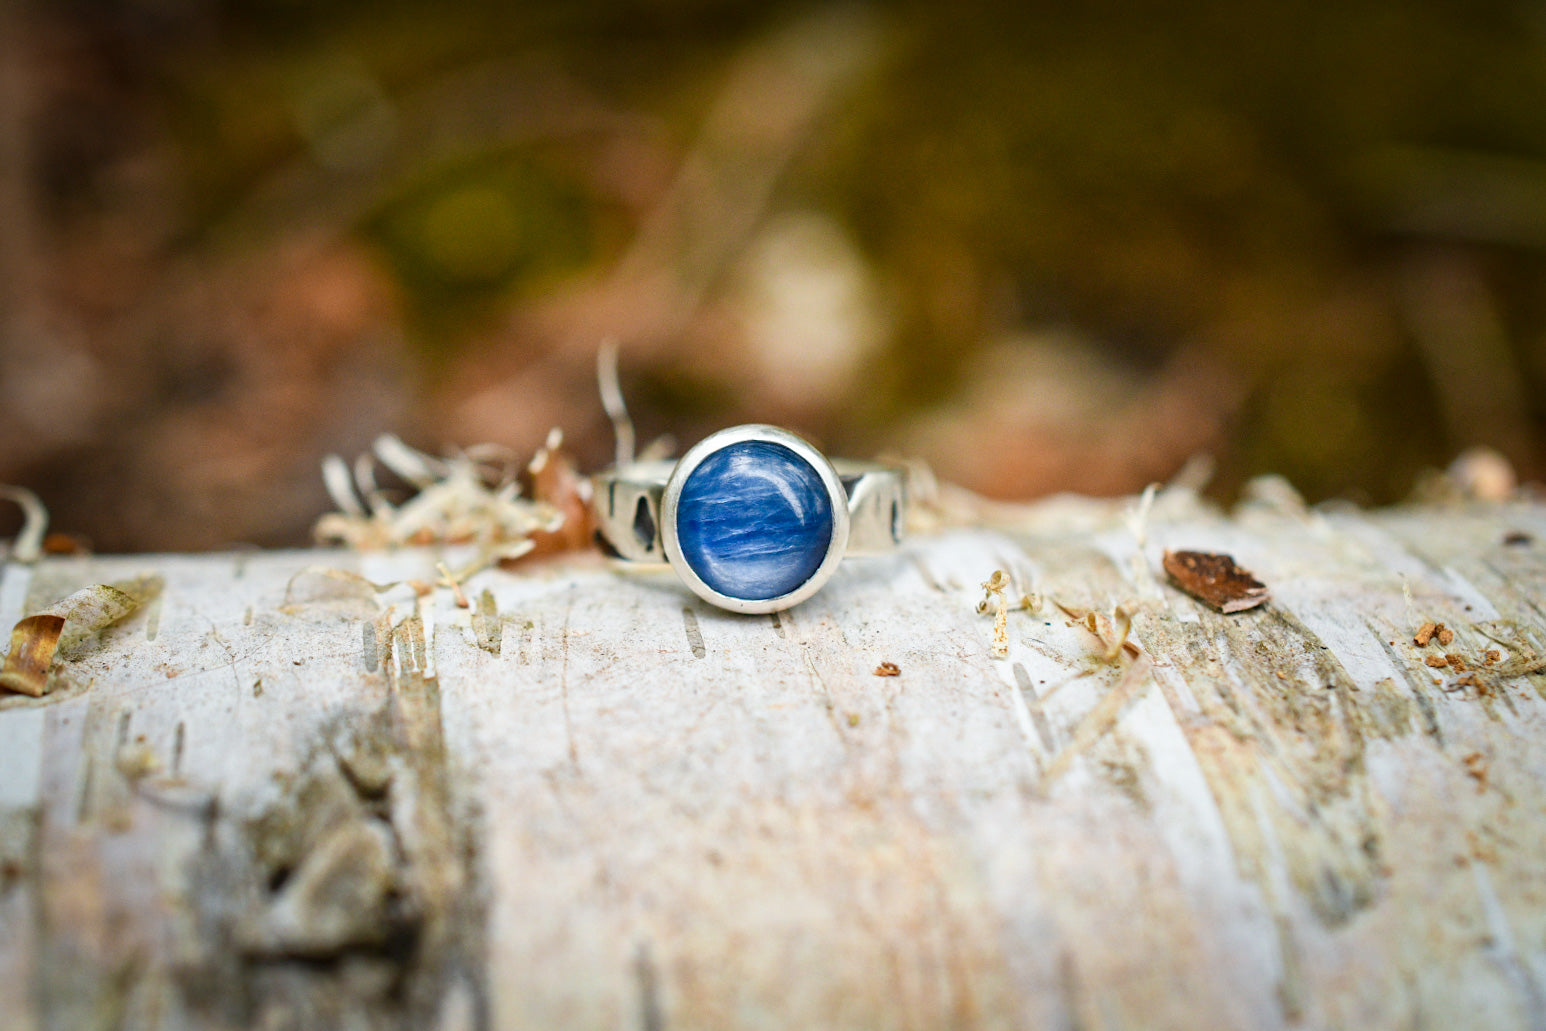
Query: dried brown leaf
x=66, y=544
x=557, y=482
x=1215, y=580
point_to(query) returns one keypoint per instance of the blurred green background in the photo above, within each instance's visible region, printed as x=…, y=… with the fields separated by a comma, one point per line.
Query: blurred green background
x=1044, y=248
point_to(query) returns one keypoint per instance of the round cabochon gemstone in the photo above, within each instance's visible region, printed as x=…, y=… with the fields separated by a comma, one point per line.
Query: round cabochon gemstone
x=754, y=520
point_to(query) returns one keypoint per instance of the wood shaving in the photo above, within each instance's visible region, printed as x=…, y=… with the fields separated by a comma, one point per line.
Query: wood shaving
x=610, y=387
x=1111, y=631
x=469, y=497
x=63, y=627
x=1483, y=474
x=33, y=643
x=327, y=583
x=1137, y=518
x=1216, y=580
x=995, y=599
x=888, y=669
x=28, y=546
x=993, y=594
x=454, y=584
x=136, y=761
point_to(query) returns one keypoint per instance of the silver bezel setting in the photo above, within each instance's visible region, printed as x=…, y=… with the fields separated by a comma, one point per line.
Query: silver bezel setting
x=771, y=435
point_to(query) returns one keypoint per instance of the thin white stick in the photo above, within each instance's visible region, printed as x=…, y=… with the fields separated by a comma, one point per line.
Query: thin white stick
x=28, y=546
x=612, y=400
x=340, y=487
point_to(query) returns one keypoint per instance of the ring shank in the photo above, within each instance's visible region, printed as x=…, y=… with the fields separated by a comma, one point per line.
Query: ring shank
x=628, y=501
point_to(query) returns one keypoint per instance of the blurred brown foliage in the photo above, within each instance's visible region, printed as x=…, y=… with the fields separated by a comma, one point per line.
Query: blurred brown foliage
x=1044, y=248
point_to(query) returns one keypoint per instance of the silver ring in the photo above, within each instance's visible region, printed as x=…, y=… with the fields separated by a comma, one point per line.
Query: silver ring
x=753, y=518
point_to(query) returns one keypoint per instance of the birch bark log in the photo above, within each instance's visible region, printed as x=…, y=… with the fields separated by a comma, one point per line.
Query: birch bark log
x=277, y=798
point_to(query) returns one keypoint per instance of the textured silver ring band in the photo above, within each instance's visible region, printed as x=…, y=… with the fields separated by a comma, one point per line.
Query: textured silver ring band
x=652, y=512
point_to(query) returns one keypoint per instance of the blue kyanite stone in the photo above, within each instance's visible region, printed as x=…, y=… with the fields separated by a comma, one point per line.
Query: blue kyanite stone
x=754, y=520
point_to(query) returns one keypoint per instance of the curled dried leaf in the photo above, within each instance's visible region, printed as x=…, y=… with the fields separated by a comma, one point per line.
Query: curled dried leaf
x=1216, y=580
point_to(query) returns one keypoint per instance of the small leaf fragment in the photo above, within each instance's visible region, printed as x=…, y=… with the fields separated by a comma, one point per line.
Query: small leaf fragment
x=556, y=482
x=1215, y=580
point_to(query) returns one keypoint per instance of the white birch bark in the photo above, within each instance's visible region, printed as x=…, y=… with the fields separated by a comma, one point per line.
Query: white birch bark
x=278, y=800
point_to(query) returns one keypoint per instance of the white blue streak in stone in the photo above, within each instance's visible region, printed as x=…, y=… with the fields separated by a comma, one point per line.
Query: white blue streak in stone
x=754, y=520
